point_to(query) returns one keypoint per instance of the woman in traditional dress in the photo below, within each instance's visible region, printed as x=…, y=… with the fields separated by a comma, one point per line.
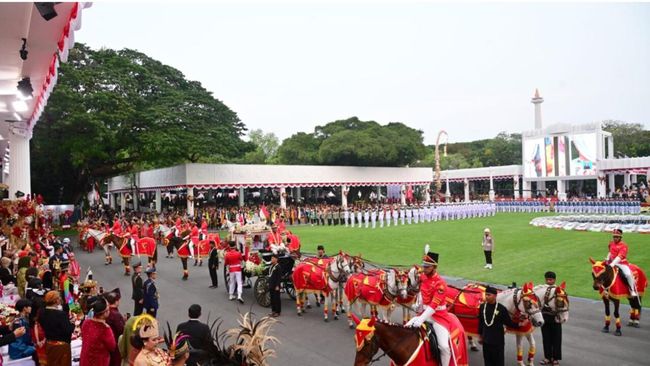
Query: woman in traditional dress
x=98, y=339
x=147, y=340
x=58, y=331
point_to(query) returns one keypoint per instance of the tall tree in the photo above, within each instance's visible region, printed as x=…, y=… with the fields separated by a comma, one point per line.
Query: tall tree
x=116, y=111
x=630, y=139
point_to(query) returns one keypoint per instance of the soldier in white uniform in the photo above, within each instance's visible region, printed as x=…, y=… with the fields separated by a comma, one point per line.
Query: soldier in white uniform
x=359, y=215
x=373, y=217
x=402, y=214
x=366, y=217
x=346, y=215
x=381, y=216
x=352, y=215
x=395, y=215
x=409, y=214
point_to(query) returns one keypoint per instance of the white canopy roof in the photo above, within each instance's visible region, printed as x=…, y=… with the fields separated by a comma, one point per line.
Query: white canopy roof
x=496, y=172
x=255, y=176
x=639, y=165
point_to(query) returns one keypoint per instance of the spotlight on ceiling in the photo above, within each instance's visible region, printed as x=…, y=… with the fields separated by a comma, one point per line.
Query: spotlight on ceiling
x=25, y=87
x=46, y=10
x=23, y=51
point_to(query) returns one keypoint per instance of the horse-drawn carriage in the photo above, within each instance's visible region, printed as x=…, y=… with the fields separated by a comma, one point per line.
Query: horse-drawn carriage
x=252, y=239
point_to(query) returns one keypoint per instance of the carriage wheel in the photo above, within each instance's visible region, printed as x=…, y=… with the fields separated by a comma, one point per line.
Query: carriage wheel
x=288, y=287
x=261, y=292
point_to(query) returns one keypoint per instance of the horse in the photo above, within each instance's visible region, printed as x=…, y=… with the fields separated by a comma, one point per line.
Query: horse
x=321, y=279
x=182, y=244
x=123, y=248
x=377, y=288
x=404, y=345
x=98, y=236
x=520, y=303
x=613, y=287
x=148, y=247
x=164, y=234
x=555, y=301
x=412, y=291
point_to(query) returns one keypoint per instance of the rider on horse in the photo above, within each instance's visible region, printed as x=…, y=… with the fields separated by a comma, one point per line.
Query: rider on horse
x=617, y=256
x=432, y=289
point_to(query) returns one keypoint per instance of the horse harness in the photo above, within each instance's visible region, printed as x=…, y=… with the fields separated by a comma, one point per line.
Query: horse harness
x=546, y=310
x=527, y=303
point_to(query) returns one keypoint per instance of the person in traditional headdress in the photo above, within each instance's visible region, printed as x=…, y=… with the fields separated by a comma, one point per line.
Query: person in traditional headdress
x=147, y=339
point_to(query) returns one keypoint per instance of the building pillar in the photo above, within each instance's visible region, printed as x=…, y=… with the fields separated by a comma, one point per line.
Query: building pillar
x=626, y=180
x=402, y=195
x=344, y=196
x=633, y=179
x=378, y=193
x=111, y=200
x=122, y=202
x=298, y=195
x=541, y=187
x=283, y=197
x=136, y=199
x=491, y=193
x=19, y=178
x=515, y=186
x=447, y=191
x=610, y=147
x=190, y=203
x=240, y=197
x=611, y=182
x=601, y=188
x=158, y=201
x=526, y=189
x=466, y=189
x=561, y=190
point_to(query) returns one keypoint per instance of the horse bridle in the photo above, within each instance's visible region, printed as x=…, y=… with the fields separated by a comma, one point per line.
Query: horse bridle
x=341, y=277
x=548, y=298
x=527, y=303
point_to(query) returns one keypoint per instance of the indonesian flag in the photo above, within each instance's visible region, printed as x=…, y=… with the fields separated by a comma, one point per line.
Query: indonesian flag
x=264, y=213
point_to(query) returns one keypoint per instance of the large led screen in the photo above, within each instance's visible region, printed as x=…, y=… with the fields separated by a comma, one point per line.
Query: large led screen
x=583, y=154
x=560, y=156
x=534, y=161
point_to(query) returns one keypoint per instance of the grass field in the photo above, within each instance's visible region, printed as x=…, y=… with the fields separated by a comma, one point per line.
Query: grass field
x=522, y=252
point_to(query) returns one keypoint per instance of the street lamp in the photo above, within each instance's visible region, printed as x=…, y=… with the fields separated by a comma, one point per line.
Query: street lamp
x=437, y=175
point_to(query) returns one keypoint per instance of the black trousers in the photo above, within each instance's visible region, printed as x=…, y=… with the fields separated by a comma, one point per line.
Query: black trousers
x=552, y=337
x=137, y=308
x=488, y=256
x=213, y=276
x=493, y=355
x=276, y=305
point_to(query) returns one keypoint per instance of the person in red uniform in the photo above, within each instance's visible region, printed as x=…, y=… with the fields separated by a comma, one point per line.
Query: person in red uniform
x=275, y=238
x=194, y=241
x=117, y=227
x=233, y=260
x=617, y=256
x=203, y=233
x=135, y=236
x=432, y=289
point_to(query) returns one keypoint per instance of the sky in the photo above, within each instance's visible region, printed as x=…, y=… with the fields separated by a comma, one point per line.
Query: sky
x=469, y=69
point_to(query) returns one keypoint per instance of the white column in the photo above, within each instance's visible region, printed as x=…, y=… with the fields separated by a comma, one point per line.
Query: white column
x=561, y=190
x=298, y=195
x=515, y=186
x=122, y=201
x=626, y=180
x=611, y=183
x=158, y=201
x=283, y=197
x=527, y=185
x=402, y=195
x=190, y=204
x=378, y=193
x=491, y=193
x=541, y=187
x=610, y=147
x=240, y=197
x=600, y=185
x=136, y=199
x=466, y=189
x=344, y=196
x=19, y=178
x=633, y=178
x=111, y=200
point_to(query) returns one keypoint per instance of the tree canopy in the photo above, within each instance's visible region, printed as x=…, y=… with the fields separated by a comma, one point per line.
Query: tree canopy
x=630, y=139
x=354, y=142
x=116, y=111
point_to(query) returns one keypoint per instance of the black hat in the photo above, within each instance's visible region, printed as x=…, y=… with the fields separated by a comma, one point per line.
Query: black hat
x=617, y=232
x=320, y=247
x=98, y=304
x=491, y=290
x=274, y=255
x=136, y=265
x=549, y=274
x=430, y=259
x=150, y=270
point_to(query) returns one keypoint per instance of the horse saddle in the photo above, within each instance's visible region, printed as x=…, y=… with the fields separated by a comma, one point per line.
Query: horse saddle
x=428, y=334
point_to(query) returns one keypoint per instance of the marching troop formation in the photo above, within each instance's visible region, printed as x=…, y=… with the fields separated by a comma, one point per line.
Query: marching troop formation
x=596, y=206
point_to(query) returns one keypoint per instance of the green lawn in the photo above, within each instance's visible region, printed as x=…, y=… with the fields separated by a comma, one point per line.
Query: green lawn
x=522, y=252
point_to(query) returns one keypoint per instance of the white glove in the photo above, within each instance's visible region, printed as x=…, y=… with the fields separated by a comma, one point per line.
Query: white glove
x=420, y=319
x=615, y=261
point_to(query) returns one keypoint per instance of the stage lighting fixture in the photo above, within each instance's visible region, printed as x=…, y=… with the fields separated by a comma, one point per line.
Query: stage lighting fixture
x=25, y=87
x=23, y=50
x=46, y=10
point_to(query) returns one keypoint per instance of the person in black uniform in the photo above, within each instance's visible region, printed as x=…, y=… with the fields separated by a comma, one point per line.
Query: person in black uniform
x=151, y=293
x=199, y=333
x=138, y=289
x=492, y=319
x=551, y=331
x=275, y=274
x=213, y=265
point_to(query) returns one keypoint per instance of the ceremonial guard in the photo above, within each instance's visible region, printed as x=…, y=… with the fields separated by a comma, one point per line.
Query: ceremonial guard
x=488, y=246
x=366, y=217
x=359, y=216
x=381, y=215
x=194, y=241
x=395, y=211
x=409, y=215
x=138, y=289
x=352, y=216
x=275, y=274
x=551, y=330
x=150, y=294
x=346, y=215
x=617, y=256
x=432, y=290
x=493, y=317
x=233, y=259
x=373, y=217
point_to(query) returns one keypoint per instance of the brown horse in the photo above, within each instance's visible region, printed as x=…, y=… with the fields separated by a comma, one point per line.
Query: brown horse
x=403, y=345
x=123, y=248
x=182, y=244
x=612, y=287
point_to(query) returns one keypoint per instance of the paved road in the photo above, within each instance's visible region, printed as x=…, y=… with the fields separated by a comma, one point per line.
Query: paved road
x=309, y=341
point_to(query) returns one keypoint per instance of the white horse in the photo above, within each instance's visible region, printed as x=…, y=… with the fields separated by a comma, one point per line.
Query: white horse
x=519, y=303
x=99, y=236
x=162, y=232
x=554, y=301
x=336, y=272
x=394, y=287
